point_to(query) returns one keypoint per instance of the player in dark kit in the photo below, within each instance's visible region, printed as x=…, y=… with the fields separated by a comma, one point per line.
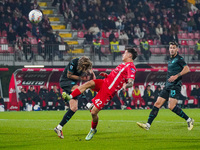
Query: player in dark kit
x=75, y=71
x=176, y=69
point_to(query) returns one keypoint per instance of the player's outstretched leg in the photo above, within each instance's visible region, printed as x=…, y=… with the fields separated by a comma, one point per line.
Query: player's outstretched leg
x=90, y=134
x=190, y=124
x=59, y=133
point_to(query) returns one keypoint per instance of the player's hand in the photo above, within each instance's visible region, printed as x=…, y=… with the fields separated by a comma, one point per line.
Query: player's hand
x=103, y=74
x=172, y=78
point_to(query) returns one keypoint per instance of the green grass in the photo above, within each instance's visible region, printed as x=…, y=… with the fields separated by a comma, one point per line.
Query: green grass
x=117, y=129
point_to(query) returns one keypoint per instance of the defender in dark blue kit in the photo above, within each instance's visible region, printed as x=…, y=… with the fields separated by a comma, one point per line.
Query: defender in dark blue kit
x=176, y=69
x=74, y=72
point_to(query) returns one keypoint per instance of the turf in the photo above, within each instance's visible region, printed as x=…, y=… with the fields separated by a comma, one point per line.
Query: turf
x=117, y=129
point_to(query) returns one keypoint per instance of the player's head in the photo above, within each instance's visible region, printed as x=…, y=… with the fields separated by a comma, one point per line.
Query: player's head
x=129, y=55
x=84, y=64
x=173, y=48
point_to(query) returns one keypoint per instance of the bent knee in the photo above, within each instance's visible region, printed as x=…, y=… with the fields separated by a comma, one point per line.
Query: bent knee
x=158, y=104
x=94, y=113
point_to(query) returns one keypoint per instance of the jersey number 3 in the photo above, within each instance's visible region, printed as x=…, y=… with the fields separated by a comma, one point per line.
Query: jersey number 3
x=98, y=102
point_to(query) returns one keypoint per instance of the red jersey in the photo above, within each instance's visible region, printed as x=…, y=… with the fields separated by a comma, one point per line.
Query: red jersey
x=119, y=76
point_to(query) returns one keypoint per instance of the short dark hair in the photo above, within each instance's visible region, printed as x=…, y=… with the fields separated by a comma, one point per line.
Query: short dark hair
x=173, y=43
x=133, y=52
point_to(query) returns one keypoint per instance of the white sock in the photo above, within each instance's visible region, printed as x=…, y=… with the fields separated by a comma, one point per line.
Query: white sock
x=59, y=127
x=189, y=119
x=148, y=125
x=71, y=96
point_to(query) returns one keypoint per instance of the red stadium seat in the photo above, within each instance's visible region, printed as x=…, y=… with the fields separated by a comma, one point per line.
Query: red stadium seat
x=3, y=41
x=157, y=50
x=150, y=42
x=191, y=35
x=116, y=34
x=196, y=35
x=4, y=34
x=102, y=42
x=136, y=41
x=80, y=34
x=179, y=36
x=163, y=51
x=29, y=34
x=107, y=34
x=184, y=36
x=34, y=41
x=191, y=42
x=184, y=42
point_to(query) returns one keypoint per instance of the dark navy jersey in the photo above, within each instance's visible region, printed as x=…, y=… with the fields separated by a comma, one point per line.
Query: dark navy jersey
x=72, y=67
x=175, y=66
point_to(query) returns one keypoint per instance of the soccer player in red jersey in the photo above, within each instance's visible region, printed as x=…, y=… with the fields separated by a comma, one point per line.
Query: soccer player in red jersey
x=107, y=88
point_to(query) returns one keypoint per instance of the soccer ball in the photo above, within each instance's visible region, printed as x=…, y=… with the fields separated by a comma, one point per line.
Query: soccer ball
x=35, y=16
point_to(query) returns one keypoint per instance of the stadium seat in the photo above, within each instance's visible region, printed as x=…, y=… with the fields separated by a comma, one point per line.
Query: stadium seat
x=157, y=50
x=136, y=41
x=34, y=41
x=4, y=34
x=191, y=13
x=116, y=34
x=102, y=42
x=10, y=49
x=107, y=34
x=163, y=51
x=58, y=27
x=179, y=36
x=29, y=34
x=184, y=36
x=46, y=12
x=103, y=34
x=66, y=35
x=184, y=42
x=42, y=4
x=191, y=43
x=191, y=35
x=196, y=35
x=80, y=34
x=3, y=41
x=150, y=42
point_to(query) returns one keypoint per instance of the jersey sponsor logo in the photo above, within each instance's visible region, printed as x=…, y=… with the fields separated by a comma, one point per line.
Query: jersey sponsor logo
x=12, y=90
x=71, y=67
x=73, y=83
x=132, y=70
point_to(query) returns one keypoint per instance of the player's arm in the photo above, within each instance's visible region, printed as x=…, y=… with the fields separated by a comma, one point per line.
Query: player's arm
x=70, y=75
x=183, y=72
x=129, y=84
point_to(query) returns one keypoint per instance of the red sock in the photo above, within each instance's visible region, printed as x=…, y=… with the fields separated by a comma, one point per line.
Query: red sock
x=75, y=93
x=94, y=124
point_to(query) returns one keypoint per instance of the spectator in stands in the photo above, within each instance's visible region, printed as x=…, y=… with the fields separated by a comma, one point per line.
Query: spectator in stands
x=197, y=49
x=119, y=24
x=165, y=38
x=174, y=37
x=21, y=29
x=130, y=14
x=25, y=7
x=152, y=31
x=48, y=49
x=83, y=15
x=36, y=31
x=198, y=24
x=43, y=94
x=111, y=36
x=137, y=97
x=88, y=38
x=148, y=96
x=124, y=97
x=159, y=31
x=103, y=13
x=90, y=94
x=184, y=24
x=95, y=31
x=174, y=27
x=27, y=48
x=11, y=36
x=33, y=96
x=196, y=93
x=19, y=49
x=41, y=47
x=57, y=36
x=138, y=32
x=97, y=49
x=89, y=22
x=123, y=38
x=114, y=48
x=191, y=24
x=56, y=50
x=23, y=98
x=76, y=23
x=145, y=49
x=130, y=37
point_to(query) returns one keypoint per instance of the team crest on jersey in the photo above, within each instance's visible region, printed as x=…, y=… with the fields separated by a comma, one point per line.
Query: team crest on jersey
x=132, y=70
x=71, y=67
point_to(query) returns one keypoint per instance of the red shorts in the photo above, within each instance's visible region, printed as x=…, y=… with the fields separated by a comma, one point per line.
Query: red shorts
x=103, y=96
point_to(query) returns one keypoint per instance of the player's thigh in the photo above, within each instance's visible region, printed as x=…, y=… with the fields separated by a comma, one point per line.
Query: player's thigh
x=159, y=102
x=97, y=84
x=74, y=87
x=172, y=103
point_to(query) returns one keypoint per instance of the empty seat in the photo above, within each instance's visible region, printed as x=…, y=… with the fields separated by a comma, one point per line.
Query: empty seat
x=80, y=34
x=4, y=34
x=191, y=35
x=184, y=42
x=116, y=34
x=163, y=51
x=136, y=41
x=107, y=34
x=3, y=41
x=157, y=50
x=184, y=36
x=191, y=42
x=34, y=41
x=196, y=35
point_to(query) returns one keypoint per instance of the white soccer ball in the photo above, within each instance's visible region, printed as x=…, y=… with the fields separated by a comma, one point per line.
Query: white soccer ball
x=35, y=16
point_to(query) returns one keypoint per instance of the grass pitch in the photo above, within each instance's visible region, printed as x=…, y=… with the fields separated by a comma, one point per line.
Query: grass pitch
x=117, y=130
